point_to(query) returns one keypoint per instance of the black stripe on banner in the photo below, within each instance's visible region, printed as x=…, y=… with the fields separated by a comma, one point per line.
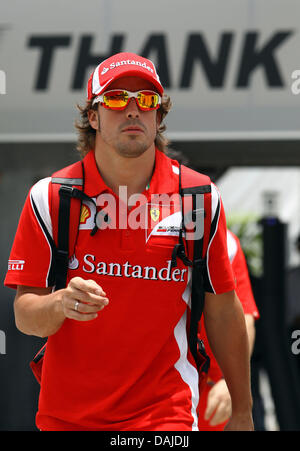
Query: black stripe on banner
x=51, y=274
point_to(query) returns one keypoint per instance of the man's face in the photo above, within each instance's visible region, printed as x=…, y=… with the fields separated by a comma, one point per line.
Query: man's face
x=130, y=131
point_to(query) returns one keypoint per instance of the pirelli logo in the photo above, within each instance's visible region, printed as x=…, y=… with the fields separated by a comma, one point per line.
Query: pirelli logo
x=16, y=265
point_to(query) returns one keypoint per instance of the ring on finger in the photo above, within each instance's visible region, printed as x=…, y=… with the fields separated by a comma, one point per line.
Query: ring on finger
x=76, y=306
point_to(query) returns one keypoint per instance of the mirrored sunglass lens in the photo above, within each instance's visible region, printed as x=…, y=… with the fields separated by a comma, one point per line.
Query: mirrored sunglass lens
x=148, y=100
x=116, y=99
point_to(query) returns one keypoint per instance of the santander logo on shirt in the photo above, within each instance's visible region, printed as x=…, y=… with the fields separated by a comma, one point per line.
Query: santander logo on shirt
x=91, y=265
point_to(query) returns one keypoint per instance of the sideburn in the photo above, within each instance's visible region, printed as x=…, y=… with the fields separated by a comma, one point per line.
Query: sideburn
x=98, y=120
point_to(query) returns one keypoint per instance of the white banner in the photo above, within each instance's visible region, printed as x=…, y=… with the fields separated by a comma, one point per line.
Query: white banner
x=231, y=67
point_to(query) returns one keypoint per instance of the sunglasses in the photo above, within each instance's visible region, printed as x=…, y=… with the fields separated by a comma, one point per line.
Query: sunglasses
x=118, y=99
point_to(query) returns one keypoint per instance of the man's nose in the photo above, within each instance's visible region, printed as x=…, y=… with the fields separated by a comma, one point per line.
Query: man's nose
x=132, y=110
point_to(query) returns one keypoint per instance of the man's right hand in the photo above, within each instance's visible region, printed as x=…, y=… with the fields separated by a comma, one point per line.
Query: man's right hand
x=41, y=311
x=83, y=299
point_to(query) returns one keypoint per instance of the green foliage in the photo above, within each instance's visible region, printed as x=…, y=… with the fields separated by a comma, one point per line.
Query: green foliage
x=247, y=228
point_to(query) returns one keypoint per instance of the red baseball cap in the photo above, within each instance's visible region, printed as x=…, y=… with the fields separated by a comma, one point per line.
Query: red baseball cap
x=121, y=65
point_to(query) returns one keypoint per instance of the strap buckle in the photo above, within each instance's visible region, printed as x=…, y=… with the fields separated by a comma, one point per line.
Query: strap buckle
x=179, y=251
x=66, y=190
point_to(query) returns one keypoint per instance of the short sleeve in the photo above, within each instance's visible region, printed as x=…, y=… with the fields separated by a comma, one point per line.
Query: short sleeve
x=219, y=275
x=241, y=274
x=31, y=261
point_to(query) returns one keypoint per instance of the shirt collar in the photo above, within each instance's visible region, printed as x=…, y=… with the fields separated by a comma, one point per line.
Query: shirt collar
x=165, y=175
x=164, y=178
x=93, y=182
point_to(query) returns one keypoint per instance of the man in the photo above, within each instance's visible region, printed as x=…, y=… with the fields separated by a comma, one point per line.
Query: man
x=117, y=355
x=215, y=402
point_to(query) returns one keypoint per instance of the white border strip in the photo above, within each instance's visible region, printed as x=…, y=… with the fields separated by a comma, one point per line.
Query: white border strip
x=173, y=136
x=37, y=137
x=42, y=197
x=214, y=206
x=234, y=135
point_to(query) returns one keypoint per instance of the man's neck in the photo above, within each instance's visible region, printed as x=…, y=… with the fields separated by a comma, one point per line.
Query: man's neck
x=134, y=173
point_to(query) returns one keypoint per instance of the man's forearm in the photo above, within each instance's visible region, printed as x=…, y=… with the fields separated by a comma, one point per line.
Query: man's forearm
x=38, y=314
x=250, y=325
x=228, y=338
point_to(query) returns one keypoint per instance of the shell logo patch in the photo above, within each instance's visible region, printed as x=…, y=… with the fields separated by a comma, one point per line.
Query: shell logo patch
x=85, y=214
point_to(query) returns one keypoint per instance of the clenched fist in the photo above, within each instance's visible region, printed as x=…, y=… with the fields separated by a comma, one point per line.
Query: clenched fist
x=83, y=299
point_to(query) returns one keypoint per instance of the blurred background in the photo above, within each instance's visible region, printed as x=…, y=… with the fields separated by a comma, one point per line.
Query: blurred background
x=232, y=70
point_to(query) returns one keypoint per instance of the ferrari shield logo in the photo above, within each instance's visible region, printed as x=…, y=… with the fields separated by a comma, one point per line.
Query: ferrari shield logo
x=154, y=213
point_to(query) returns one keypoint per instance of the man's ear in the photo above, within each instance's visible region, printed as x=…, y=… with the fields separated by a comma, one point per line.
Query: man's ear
x=94, y=121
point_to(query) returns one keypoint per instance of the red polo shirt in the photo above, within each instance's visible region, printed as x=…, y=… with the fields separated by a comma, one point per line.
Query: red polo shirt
x=130, y=368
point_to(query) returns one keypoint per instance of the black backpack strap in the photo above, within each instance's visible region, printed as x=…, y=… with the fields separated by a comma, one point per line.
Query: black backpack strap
x=179, y=250
x=198, y=268
x=62, y=251
x=198, y=263
x=197, y=296
x=66, y=192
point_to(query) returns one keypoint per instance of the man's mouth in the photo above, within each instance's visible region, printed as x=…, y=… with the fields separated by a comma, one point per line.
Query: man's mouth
x=134, y=129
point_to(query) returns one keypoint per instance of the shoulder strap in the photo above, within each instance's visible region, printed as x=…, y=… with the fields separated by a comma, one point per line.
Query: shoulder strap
x=66, y=199
x=66, y=194
x=195, y=192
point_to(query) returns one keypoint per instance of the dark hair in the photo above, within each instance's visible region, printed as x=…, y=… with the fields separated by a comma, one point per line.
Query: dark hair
x=86, y=134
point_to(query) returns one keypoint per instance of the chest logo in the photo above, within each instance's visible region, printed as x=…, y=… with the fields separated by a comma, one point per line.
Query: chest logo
x=73, y=262
x=154, y=213
x=85, y=214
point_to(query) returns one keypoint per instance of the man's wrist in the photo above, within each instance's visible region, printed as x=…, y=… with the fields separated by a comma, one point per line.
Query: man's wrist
x=242, y=411
x=57, y=303
x=56, y=312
